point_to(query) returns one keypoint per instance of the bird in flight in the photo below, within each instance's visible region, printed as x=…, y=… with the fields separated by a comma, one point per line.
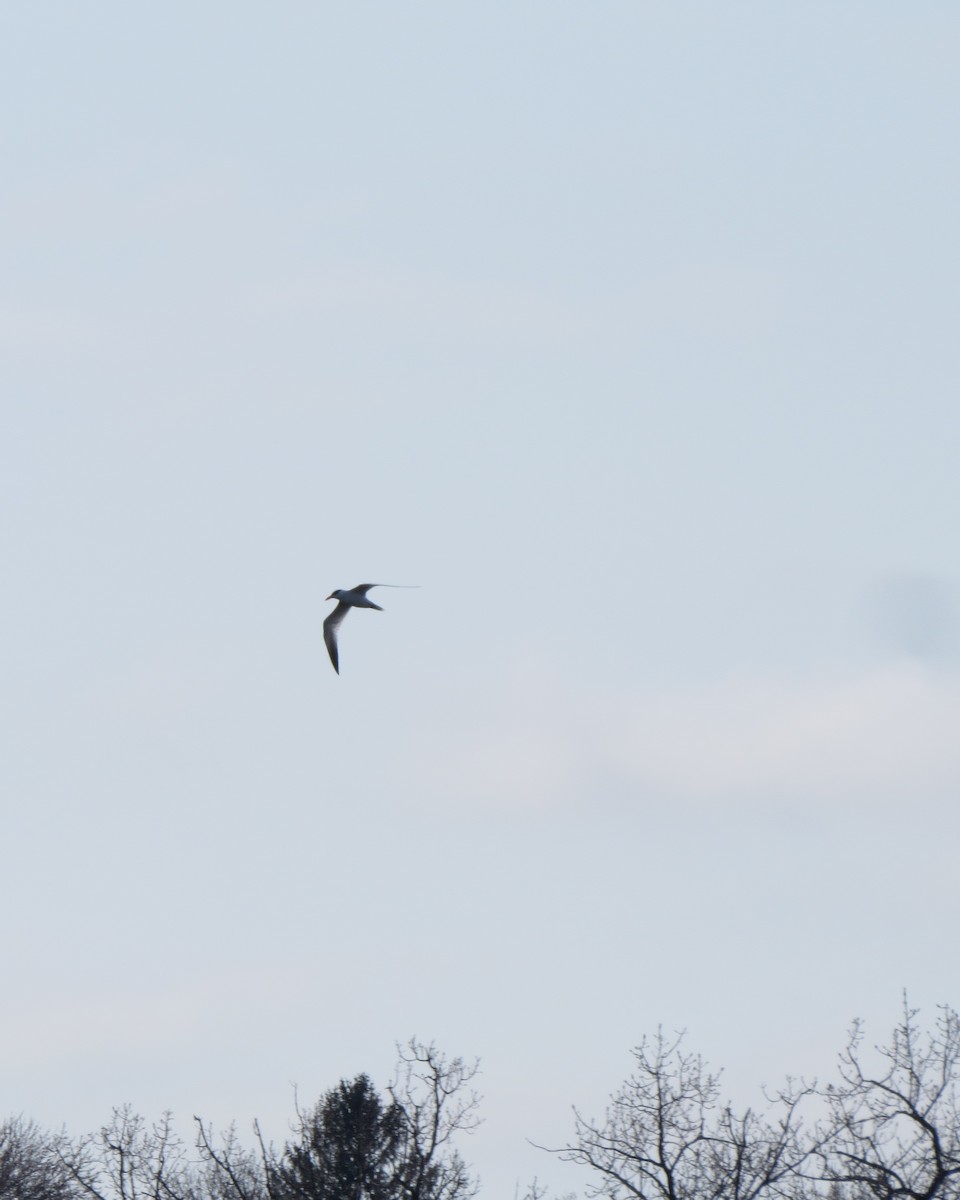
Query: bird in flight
x=347, y=598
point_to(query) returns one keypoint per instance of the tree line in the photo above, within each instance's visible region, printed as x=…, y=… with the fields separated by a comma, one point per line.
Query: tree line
x=886, y=1127
x=354, y=1144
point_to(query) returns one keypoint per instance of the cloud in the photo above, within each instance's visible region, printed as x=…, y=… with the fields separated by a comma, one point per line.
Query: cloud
x=860, y=736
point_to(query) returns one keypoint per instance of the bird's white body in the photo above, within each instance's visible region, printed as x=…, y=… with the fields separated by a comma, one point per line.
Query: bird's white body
x=355, y=597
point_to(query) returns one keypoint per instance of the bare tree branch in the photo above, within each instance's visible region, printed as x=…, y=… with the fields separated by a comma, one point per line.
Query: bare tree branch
x=665, y=1135
x=895, y=1133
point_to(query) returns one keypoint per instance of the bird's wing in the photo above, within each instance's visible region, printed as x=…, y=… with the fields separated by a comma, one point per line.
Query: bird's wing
x=363, y=588
x=330, y=627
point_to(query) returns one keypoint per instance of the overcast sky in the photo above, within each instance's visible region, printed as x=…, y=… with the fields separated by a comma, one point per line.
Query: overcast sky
x=626, y=330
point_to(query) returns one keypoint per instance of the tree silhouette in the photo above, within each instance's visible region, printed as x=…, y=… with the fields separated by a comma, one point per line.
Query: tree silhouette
x=350, y=1147
x=29, y=1166
x=888, y=1128
x=130, y=1159
x=894, y=1133
x=355, y=1145
x=666, y=1136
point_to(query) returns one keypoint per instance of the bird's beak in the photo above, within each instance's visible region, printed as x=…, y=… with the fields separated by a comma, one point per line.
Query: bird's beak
x=330, y=597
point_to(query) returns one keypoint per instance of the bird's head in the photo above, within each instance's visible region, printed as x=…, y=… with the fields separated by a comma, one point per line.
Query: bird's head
x=336, y=595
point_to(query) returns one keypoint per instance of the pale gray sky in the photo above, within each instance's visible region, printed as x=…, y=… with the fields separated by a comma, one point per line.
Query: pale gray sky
x=628, y=331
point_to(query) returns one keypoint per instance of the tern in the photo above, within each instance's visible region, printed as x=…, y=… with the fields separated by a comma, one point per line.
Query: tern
x=347, y=598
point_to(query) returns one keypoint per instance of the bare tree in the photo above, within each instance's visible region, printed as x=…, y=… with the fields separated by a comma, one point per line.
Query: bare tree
x=438, y=1103
x=130, y=1160
x=29, y=1166
x=895, y=1132
x=230, y=1171
x=535, y=1190
x=666, y=1135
